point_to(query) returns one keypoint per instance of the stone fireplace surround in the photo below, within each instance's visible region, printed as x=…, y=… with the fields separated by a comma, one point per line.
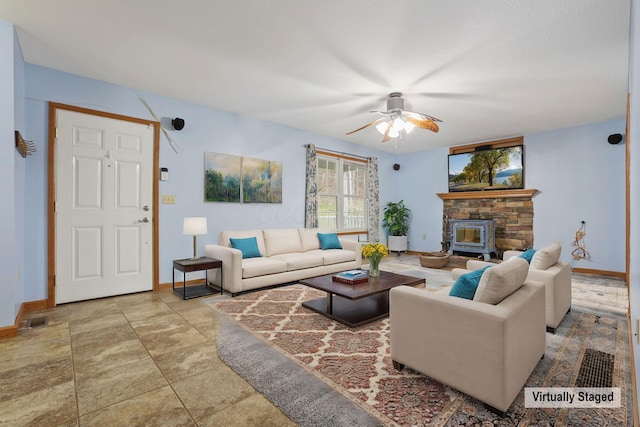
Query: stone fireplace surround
x=512, y=211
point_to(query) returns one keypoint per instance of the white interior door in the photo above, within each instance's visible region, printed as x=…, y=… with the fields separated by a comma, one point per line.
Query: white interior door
x=104, y=206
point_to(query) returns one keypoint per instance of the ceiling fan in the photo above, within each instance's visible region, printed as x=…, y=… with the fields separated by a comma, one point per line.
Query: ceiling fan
x=396, y=119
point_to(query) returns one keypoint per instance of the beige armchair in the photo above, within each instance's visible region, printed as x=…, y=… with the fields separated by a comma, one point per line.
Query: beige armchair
x=487, y=351
x=546, y=268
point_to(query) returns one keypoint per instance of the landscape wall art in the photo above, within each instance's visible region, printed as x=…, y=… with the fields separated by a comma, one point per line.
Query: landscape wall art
x=238, y=179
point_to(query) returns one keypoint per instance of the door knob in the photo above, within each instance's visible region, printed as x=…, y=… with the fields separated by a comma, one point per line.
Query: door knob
x=145, y=219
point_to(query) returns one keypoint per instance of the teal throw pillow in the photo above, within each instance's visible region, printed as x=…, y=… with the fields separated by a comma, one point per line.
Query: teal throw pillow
x=528, y=255
x=248, y=247
x=329, y=241
x=466, y=285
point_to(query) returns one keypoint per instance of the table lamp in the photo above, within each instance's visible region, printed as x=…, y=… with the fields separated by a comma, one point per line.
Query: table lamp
x=194, y=226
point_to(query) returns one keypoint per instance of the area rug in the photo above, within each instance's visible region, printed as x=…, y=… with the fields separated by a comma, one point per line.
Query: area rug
x=356, y=363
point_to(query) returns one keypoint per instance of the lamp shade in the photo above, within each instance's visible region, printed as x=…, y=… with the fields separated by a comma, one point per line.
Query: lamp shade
x=195, y=225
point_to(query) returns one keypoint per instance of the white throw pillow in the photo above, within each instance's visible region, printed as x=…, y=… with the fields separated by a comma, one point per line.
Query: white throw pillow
x=546, y=257
x=502, y=280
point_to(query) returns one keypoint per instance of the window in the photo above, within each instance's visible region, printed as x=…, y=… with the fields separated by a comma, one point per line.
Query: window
x=342, y=203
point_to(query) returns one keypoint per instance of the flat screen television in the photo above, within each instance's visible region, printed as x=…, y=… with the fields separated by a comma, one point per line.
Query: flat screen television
x=487, y=169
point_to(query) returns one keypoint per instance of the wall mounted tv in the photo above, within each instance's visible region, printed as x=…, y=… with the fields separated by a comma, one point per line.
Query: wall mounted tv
x=487, y=168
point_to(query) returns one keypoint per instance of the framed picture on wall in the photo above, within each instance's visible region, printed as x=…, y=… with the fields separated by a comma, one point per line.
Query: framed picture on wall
x=261, y=181
x=222, y=177
x=237, y=179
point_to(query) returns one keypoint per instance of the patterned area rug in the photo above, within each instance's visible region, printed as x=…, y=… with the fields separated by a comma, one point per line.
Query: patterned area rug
x=357, y=363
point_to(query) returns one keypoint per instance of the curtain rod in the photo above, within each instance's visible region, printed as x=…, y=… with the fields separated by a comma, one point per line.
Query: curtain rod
x=344, y=154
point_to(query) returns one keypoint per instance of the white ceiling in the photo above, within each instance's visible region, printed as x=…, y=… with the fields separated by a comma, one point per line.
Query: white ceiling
x=489, y=69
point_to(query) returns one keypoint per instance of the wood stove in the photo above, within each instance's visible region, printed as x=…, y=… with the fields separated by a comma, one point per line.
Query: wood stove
x=475, y=236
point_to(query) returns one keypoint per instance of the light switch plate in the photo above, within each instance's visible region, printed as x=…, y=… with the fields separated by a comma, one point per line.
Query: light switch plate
x=168, y=199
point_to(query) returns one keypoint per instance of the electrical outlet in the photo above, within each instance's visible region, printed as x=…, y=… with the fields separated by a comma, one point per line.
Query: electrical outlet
x=168, y=199
x=424, y=236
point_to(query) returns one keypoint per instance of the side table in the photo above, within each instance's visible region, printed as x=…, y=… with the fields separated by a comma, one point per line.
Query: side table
x=189, y=265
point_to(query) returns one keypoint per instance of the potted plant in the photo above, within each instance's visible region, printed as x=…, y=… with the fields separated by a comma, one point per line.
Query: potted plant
x=396, y=221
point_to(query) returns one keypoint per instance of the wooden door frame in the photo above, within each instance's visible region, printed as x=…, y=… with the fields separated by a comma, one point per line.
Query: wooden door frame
x=51, y=218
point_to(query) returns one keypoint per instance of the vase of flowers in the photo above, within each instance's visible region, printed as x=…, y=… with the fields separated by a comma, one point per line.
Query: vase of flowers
x=374, y=252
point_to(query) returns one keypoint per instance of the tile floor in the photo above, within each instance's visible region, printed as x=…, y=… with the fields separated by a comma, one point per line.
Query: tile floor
x=145, y=359
x=150, y=359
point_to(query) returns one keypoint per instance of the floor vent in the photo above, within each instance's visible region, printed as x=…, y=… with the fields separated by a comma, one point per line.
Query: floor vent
x=34, y=323
x=596, y=369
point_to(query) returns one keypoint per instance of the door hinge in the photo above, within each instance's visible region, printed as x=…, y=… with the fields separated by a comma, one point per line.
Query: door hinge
x=56, y=132
x=54, y=281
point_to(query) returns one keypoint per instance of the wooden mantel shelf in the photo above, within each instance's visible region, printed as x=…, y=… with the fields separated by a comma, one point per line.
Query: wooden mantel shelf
x=488, y=194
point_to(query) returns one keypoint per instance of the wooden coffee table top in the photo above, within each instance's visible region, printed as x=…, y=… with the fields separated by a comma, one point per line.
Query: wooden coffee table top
x=373, y=286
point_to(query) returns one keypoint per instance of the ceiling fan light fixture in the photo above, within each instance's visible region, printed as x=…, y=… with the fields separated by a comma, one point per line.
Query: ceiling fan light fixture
x=398, y=120
x=408, y=127
x=382, y=127
x=398, y=124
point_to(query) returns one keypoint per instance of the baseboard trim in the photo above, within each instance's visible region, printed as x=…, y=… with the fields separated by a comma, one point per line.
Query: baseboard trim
x=8, y=332
x=30, y=306
x=618, y=274
x=165, y=286
x=25, y=307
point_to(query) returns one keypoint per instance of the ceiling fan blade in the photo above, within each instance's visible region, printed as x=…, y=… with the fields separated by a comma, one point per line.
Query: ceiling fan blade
x=424, y=124
x=373, y=123
x=421, y=116
x=386, y=133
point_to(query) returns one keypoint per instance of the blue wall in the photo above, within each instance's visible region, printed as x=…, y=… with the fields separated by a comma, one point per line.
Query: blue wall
x=19, y=171
x=634, y=179
x=561, y=164
x=579, y=175
x=11, y=173
x=205, y=130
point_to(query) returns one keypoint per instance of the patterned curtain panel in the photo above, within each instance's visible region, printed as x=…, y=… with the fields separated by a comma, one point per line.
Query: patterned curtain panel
x=373, y=197
x=311, y=193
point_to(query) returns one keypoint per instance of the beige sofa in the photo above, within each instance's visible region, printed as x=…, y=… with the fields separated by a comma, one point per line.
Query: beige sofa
x=485, y=350
x=287, y=255
x=546, y=268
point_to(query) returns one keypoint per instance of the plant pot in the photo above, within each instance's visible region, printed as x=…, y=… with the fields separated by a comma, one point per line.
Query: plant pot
x=397, y=243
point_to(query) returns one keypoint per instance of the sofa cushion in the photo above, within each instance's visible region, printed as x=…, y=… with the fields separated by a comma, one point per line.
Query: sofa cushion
x=546, y=257
x=248, y=246
x=253, y=267
x=298, y=261
x=465, y=286
x=309, y=238
x=281, y=241
x=334, y=256
x=225, y=236
x=501, y=280
x=329, y=241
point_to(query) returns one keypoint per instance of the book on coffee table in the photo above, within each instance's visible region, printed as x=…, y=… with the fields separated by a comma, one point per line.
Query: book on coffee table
x=351, y=277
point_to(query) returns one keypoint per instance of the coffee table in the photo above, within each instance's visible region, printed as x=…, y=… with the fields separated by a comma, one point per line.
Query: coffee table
x=356, y=305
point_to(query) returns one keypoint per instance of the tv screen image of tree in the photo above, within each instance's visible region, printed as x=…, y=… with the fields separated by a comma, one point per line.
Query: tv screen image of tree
x=492, y=169
x=236, y=179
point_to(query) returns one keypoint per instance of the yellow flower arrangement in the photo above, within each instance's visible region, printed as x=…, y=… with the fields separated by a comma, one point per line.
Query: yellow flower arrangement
x=374, y=250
